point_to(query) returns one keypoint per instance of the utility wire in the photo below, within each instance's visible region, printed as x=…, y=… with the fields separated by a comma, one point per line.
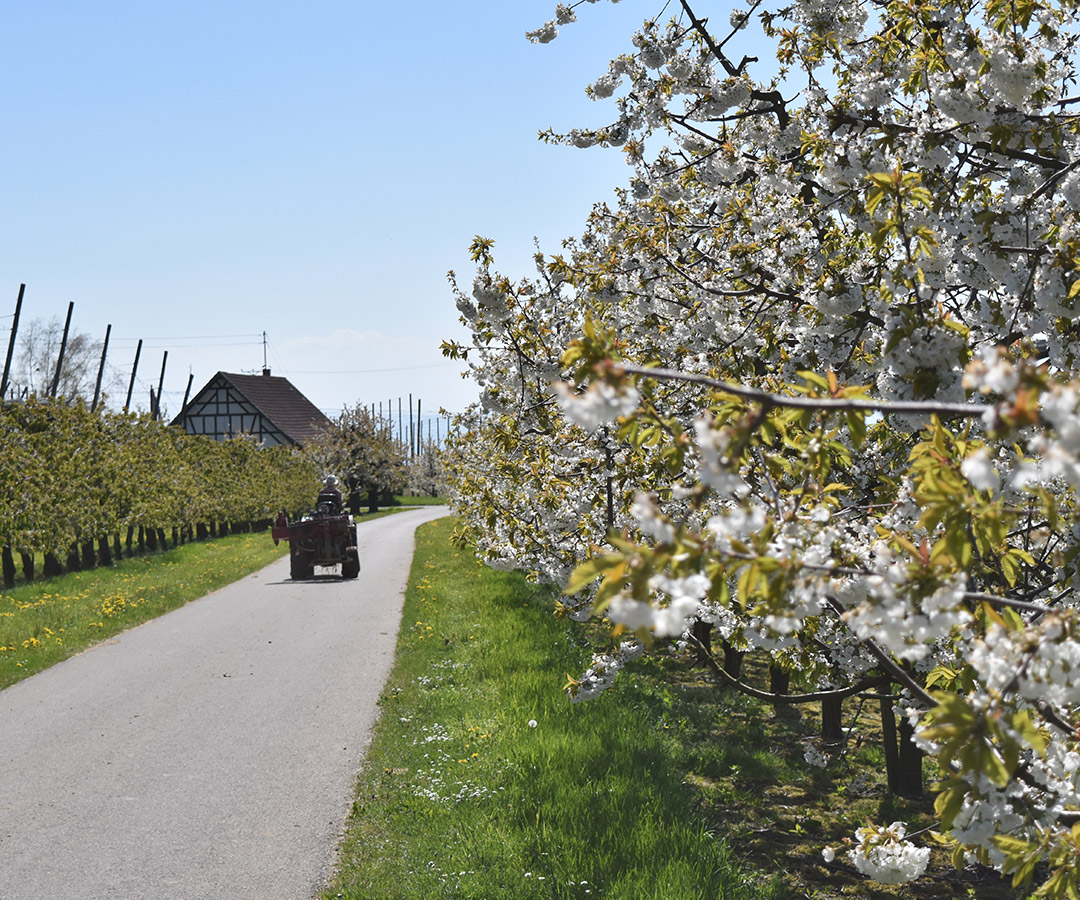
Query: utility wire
x=368, y=371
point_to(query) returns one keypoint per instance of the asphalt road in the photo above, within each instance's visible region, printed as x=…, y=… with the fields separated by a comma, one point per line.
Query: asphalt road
x=210, y=753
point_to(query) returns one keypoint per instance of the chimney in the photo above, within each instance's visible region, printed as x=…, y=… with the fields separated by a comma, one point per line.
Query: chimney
x=266, y=372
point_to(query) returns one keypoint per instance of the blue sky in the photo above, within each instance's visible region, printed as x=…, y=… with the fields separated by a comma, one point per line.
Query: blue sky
x=197, y=173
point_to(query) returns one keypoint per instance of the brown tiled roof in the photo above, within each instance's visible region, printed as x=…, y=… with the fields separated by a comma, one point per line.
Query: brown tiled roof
x=278, y=400
x=276, y=410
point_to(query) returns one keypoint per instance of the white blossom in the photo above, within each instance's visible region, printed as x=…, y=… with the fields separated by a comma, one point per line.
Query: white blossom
x=883, y=854
x=978, y=468
x=599, y=405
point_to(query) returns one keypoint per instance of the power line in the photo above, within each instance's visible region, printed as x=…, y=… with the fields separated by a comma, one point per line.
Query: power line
x=368, y=371
x=203, y=337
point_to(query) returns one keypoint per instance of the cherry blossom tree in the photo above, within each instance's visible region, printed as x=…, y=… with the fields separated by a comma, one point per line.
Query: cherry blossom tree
x=359, y=446
x=812, y=381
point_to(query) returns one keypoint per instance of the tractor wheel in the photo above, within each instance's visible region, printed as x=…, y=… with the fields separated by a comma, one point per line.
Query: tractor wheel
x=301, y=564
x=350, y=566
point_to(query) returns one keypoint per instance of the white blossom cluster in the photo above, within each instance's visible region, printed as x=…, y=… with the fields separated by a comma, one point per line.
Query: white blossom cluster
x=600, y=405
x=1040, y=663
x=884, y=855
x=600, y=675
x=902, y=628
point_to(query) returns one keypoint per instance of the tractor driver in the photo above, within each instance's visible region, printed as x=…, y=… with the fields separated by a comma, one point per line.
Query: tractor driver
x=330, y=495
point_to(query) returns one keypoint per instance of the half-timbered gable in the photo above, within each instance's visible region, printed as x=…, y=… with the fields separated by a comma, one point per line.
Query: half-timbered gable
x=265, y=406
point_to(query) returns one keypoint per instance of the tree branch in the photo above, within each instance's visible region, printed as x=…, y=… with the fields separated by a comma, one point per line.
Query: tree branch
x=787, y=699
x=824, y=404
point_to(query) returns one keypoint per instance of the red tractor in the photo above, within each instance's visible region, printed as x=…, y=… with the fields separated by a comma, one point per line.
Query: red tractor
x=320, y=538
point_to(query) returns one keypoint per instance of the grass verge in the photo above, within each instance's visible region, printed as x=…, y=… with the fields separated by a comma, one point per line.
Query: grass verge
x=49, y=620
x=483, y=781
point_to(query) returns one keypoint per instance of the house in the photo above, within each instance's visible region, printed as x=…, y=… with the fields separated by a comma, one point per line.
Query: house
x=266, y=406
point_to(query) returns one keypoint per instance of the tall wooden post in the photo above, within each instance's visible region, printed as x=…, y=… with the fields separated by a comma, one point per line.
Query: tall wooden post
x=187, y=390
x=11, y=342
x=134, y=369
x=411, y=441
x=101, y=368
x=63, y=348
x=160, y=384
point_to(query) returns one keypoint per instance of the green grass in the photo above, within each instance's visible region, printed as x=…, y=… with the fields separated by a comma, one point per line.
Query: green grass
x=407, y=500
x=462, y=797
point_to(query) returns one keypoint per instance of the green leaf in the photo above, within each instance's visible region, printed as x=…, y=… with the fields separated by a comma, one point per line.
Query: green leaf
x=589, y=571
x=1021, y=722
x=856, y=423
x=814, y=379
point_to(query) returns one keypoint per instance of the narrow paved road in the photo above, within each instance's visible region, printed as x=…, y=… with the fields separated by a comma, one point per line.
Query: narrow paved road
x=210, y=753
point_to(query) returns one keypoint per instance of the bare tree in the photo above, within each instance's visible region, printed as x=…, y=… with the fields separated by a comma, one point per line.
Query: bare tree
x=34, y=367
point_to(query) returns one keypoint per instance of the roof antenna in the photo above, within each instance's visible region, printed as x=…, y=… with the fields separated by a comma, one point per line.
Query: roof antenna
x=266, y=368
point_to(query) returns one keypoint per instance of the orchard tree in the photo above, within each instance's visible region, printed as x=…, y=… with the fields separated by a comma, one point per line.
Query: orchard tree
x=813, y=381
x=358, y=446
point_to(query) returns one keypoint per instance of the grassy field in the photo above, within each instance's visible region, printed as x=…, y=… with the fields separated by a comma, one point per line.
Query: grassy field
x=483, y=781
x=48, y=620
x=753, y=788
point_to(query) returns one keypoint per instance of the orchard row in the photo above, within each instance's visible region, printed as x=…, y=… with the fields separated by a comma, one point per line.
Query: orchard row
x=82, y=487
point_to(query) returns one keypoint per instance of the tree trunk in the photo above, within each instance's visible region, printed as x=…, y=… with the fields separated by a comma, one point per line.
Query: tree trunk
x=702, y=632
x=175, y=537
x=903, y=760
x=8, y=566
x=27, y=565
x=130, y=536
x=117, y=553
x=733, y=660
x=161, y=539
x=89, y=555
x=888, y=737
x=74, y=563
x=201, y=531
x=147, y=539
x=832, y=720
x=780, y=683
x=104, y=551
x=910, y=780
x=373, y=500
x=51, y=566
